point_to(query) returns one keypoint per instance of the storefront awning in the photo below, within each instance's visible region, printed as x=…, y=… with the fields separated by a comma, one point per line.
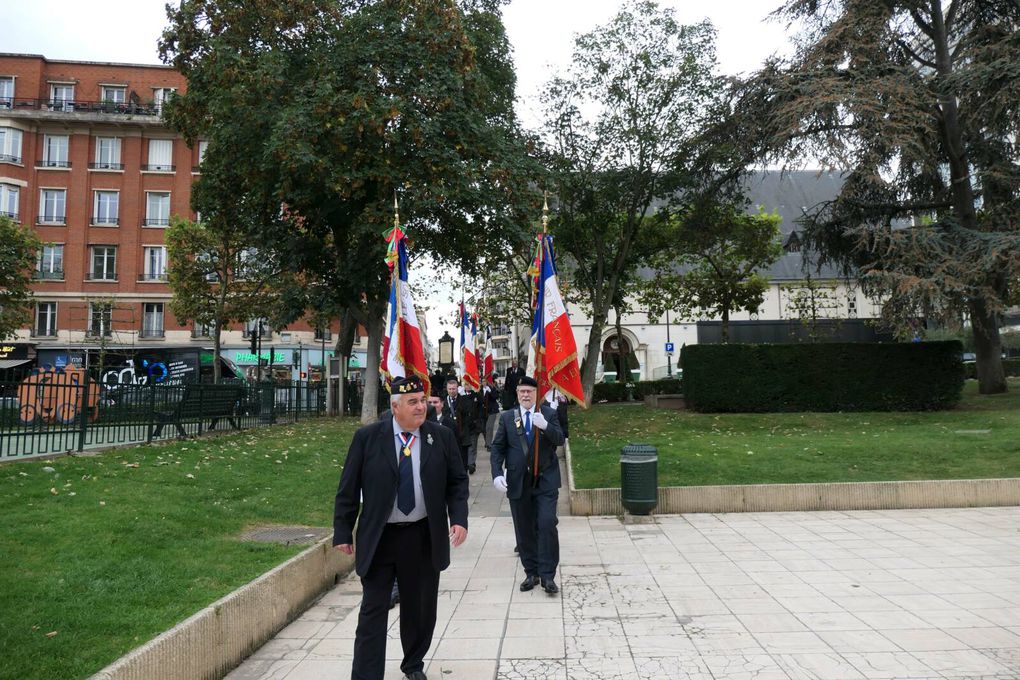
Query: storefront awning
x=12, y=363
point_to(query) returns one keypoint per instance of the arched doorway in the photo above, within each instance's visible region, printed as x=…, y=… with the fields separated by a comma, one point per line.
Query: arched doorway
x=618, y=358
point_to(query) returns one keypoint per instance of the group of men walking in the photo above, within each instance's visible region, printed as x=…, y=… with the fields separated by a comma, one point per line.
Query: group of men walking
x=405, y=485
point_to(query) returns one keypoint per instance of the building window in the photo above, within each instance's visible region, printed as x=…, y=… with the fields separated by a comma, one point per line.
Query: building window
x=10, y=145
x=155, y=263
x=160, y=95
x=104, y=263
x=45, y=320
x=6, y=91
x=53, y=206
x=113, y=94
x=62, y=97
x=161, y=152
x=203, y=330
x=108, y=153
x=55, y=151
x=105, y=207
x=51, y=262
x=202, y=148
x=100, y=319
x=323, y=334
x=157, y=208
x=9, y=201
x=152, y=320
x=252, y=326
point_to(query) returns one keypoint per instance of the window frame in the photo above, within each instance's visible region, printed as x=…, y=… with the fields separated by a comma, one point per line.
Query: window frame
x=105, y=319
x=7, y=192
x=110, y=253
x=151, y=221
x=105, y=220
x=7, y=151
x=47, y=160
x=46, y=264
x=150, y=330
x=54, y=219
x=115, y=153
x=51, y=328
x=147, y=273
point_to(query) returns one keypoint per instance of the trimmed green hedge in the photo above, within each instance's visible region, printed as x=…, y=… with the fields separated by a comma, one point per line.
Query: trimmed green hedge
x=618, y=391
x=1010, y=366
x=917, y=376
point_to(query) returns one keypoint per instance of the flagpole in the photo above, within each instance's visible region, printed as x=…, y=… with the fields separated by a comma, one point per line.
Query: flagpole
x=538, y=311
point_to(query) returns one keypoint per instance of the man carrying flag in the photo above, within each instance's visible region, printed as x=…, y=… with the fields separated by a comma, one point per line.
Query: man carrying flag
x=527, y=436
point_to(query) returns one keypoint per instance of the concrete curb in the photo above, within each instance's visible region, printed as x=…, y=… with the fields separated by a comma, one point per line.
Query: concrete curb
x=952, y=493
x=219, y=637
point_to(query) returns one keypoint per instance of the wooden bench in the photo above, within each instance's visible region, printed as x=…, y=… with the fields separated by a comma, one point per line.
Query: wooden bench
x=200, y=402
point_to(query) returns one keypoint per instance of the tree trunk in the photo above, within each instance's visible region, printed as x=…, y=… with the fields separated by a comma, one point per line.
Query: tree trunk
x=622, y=365
x=369, y=404
x=591, y=356
x=725, y=331
x=988, y=348
x=217, y=344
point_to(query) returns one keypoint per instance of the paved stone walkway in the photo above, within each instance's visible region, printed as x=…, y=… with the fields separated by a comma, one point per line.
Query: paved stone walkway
x=897, y=595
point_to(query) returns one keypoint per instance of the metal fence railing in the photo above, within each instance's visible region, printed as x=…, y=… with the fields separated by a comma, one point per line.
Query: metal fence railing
x=56, y=411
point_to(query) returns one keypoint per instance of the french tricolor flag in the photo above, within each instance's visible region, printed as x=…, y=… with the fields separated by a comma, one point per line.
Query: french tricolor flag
x=403, y=352
x=552, y=357
x=489, y=367
x=469, y=359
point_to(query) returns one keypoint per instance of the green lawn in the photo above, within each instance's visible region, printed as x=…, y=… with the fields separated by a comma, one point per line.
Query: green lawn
x=109, y=551
x=980, y=438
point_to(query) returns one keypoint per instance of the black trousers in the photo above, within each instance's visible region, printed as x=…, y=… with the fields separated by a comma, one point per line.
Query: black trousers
x=535, y=521
x=404, y=554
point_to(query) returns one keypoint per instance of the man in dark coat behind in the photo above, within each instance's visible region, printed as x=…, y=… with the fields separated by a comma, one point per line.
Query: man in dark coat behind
x=407, y=478
x=532, y=489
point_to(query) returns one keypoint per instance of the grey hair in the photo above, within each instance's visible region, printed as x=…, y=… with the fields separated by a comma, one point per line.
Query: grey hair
x=394, y=398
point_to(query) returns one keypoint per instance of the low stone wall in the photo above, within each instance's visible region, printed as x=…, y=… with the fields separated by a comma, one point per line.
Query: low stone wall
x=964, y=493
x=675, y=402
x=219, y=637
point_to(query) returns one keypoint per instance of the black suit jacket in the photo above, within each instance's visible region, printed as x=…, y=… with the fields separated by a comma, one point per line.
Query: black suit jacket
x=369, y=480
x=510, y=448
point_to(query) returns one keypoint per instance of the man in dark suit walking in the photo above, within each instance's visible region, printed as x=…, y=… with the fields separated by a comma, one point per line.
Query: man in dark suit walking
x=531, y=485
x=407, y=477
x=438, y=414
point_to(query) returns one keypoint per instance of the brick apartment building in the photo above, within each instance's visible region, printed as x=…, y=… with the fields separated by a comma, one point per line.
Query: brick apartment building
x=86, y=159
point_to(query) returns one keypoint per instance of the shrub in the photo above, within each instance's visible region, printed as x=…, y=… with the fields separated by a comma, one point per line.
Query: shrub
x=823, y=377
x=614, y=391
x=1010, y=366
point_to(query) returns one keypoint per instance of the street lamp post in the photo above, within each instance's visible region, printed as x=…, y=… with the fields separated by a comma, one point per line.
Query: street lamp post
x=446, y=353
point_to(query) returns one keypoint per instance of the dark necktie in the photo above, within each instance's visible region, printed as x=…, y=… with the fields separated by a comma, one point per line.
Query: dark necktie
x=405, y=488
x=527, y=425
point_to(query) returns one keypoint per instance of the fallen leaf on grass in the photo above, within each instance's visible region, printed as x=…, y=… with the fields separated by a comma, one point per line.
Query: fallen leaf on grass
x=190, y=476
x=52, y=633
x=53, y=490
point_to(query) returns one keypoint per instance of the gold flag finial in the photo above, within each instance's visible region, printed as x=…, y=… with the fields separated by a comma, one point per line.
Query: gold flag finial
x=396, y=210
x=545, y=213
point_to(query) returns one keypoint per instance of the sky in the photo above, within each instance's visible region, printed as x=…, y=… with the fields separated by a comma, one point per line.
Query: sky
x=541, y=32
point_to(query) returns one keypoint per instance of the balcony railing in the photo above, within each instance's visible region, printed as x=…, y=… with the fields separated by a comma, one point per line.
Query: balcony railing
x=53, y=219
x=8, y=213
x=9, y=158
x=157, y=221
x=152, y=332
x=159, y=168
x=154, y=277
x=44, y=332
x=45, y=163
x=102, y=276
x=79, y=106
x=50, y=276
x=105, y=220
x=106, y=166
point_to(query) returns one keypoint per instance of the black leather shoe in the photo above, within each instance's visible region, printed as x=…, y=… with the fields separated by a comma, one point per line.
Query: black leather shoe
x=549, y=586
x=416, y=675
x=528, y=583
x=471, y=469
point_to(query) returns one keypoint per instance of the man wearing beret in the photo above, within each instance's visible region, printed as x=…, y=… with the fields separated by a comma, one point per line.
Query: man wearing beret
x=407, y=477
x=531, y=482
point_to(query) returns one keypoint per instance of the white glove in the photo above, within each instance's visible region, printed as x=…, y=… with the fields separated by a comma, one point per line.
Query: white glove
x=499, y=484
x=539, y=421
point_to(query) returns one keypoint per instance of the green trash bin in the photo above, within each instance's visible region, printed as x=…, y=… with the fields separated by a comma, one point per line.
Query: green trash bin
x=639, y=482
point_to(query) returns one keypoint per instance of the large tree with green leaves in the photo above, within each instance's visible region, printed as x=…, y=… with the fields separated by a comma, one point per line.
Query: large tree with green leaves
x=19, y=249
x=712, y=264
x=622, y=126
x=330, y=108
x=919, y=101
